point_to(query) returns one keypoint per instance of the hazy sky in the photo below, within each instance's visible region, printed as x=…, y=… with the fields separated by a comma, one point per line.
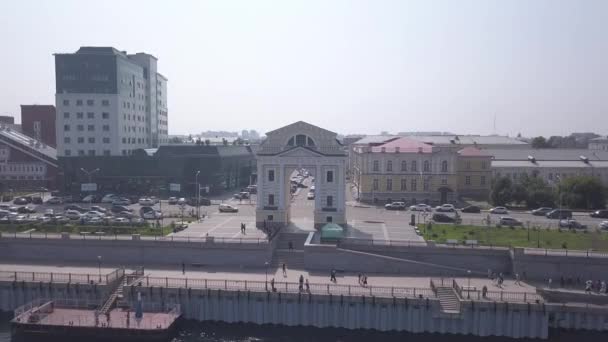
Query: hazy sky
x=540, y=67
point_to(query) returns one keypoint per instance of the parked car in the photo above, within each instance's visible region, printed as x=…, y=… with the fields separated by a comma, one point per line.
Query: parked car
x=125, y=214
x=37, y=200
x=421, y=207
x=55, y=200
x=499, y=210
x=201, y=201
x=109, y=198
x=181, y=201
x=120, y=220
x=253, y=189
x=393, y=206
x=26, y=210
x=227, y=208
x=603, y=225
x=119, y=208
x=445, y=208
x=559, y=214
x=20, y=201
x=121, y=201
x=600, y=214
x=88, y=199
x=75, y=207
x=472, y=209
x=440, y=217
x=310, y=195
x=72, y=214
x=509, y=221
x=542, y=211
x=152, y=215
x=71, y=199
x=99, y=209
x=241, y=195
x=172, y=200
x=571, y=223
x=146, y=201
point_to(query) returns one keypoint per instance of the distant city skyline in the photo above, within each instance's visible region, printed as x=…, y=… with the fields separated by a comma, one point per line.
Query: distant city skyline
x=355, y=67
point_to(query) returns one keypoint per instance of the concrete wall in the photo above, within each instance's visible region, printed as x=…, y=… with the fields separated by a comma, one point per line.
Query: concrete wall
x=541, y=267
x=134, y=253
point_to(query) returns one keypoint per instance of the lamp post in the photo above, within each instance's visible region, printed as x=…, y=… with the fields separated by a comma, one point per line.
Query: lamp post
x=89, y=174
x=469, y=284
x=99, y=266
x=198, y=194
x=266, y=265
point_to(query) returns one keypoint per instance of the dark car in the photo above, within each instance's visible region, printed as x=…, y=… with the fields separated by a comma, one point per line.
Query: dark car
x=119, y=209
x=37, y=200
x=26, y=210
x=202, y=201
x=541, y=211
x=559, y=214
x=509, y=221
x=600, y=214
x=20, y=201
x=471, y=209
x=75, y=207
x=443, y=218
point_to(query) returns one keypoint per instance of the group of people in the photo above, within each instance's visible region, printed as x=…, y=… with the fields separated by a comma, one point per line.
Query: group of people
x=498, y=279
x=304, y=283
x=591, y=286
x=243, y=228
x=595, y=286
x=362, y=280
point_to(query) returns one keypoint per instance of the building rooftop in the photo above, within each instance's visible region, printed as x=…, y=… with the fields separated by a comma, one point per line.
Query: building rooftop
x=471, y=151
x=446, y=140
x=375, y=139
x=403, y=145
x=600, y=139
x=547, y=163
x=561, y=154
x=28, y=145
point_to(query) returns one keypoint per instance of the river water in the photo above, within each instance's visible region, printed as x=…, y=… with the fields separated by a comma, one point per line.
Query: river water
x=191, y=331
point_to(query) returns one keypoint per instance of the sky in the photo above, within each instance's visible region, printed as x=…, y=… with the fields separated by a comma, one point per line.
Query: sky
x=535, y=67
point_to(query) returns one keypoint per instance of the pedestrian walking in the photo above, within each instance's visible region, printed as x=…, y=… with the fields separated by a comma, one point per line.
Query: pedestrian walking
x=272, y=285
x=517, y=279
x=550, y=281
x=359, y=278
x=561, y=281
x=301, y=288
x=603, y=287
x=307, y=286
x=489, y=273
x=284, y=270
x=183, y=268
x=484, y=291
x=333, y=276
x=365, y=281
x=588, y=285
x=244, y=228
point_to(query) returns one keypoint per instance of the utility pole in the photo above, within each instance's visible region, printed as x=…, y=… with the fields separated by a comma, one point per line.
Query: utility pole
x=198, y=195
x=90, y=174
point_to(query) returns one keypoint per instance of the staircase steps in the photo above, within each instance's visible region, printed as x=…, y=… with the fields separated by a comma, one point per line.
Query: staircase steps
x=448, y=300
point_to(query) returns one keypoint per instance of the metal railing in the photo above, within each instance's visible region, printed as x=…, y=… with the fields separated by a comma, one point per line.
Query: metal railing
x=377, y=242
x=565, y=252
x=286, y=287
x=52, y=277
x=502, y=296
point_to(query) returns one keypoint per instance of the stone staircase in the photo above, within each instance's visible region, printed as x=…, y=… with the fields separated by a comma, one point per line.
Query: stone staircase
x=294, y=257
x=448, y=300
x=297, y=240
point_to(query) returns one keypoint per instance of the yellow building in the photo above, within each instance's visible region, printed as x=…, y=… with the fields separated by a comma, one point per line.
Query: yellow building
x=474, y=173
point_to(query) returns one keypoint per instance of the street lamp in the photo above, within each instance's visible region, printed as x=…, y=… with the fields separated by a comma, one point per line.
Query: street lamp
x=198, y=194
x=99, y=266
x=266, y=264
x=469, y=284
x=89, y=174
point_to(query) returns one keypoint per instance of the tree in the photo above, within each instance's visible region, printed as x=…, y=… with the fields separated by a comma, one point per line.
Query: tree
x=502, y=191
x=519, y=193
x=224, y=142
x=539, y=193
x=582, y=192
x=540, y=142
x=207, y=142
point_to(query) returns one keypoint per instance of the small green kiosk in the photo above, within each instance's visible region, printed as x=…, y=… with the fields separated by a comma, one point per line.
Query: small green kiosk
x=331, y=232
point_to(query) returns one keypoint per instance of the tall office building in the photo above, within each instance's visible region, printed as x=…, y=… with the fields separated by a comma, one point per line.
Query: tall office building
x=109, y=103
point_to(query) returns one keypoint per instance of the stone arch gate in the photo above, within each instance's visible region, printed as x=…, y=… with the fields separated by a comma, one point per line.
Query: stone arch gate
x=300, y=146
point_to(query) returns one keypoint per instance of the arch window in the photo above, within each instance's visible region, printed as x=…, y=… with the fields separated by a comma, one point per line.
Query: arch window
x=301, y=140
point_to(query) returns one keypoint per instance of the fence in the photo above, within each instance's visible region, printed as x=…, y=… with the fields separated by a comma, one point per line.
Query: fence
x=115, y=237
x=52, y=277
x=373, y=242
x=565, y=252
x=286, y=287
x=503, y=296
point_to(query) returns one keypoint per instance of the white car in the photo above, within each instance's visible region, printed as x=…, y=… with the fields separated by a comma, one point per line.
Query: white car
x=120, y=220
x=499, y=210
x=421, y=207
x=73, y=214
x=603, y=225
x=99, y=209
x=109, y=198
x=310, y=196
x=181, y=201
x=145, y=201
x=88, y=199
x=152, y=215
x=227, y=208
x=172, y=200
x=445, y=208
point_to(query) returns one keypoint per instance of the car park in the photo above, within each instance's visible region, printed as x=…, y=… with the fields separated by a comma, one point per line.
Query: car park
x=571, y=224
x=125, y=214
x=509, y=221
x=4, y=213
x=542, y=211
x=92, y=220
x=109, y=198
x=421, y=207
x=395, y=206
x=172, y=200
x=445, y=208
x=499, y=210
x=75, y=207
x=599, y=214
x=471, y=209
x=88, y=199
x=152, y=215
x=227, y=208
x=559, y=214
x=444, y=218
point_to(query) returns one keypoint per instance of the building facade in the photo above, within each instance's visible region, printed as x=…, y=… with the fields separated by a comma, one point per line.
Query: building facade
x=599, y=144
x=474, y=171
x=38, y=122
x=109, y=103
x=405, y=170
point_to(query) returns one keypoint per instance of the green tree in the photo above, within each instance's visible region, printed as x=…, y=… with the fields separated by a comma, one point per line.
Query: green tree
x=502, y=191
x=582, y=192
x=207, y=142
x=539, y=193
x=540, y=142
x=519, y=193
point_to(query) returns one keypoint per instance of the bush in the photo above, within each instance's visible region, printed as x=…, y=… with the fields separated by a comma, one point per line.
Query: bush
x=564, y=245
x=434, y=236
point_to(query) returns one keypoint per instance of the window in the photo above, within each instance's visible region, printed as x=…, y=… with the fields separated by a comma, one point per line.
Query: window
x=375, y=185
x=271, y=199
x=444, y=181
x=329, y=219
x=484, y=165
x=468, y=165
x=389, y=166
x=426, y=185
x=80, y=127
x=124, y=140
x=376, y=166
x=271, y=175
x=68, y=152
x=91, y=140
x=66, y=140
x=414, y=167
x=427, y=166
x=444, y=166
x=105, y=115
x=91, y=152
x=403, y=184
x=81, y=152
x=389, y=185
x=106, y=128
x=330, y=201
x=66, y=115
x=467, y=180
x=90, y=115
x=80, y=140
x=404, y=166
x=329, y=177
x=90, y=102
x=106, y=140
x=80, y=115
x=105, y=103
x=79, y=103
x=106, y=152
x=90, y=128
x=66, y=102
x=413, y=185
x=483, y=180
x=66, y=128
